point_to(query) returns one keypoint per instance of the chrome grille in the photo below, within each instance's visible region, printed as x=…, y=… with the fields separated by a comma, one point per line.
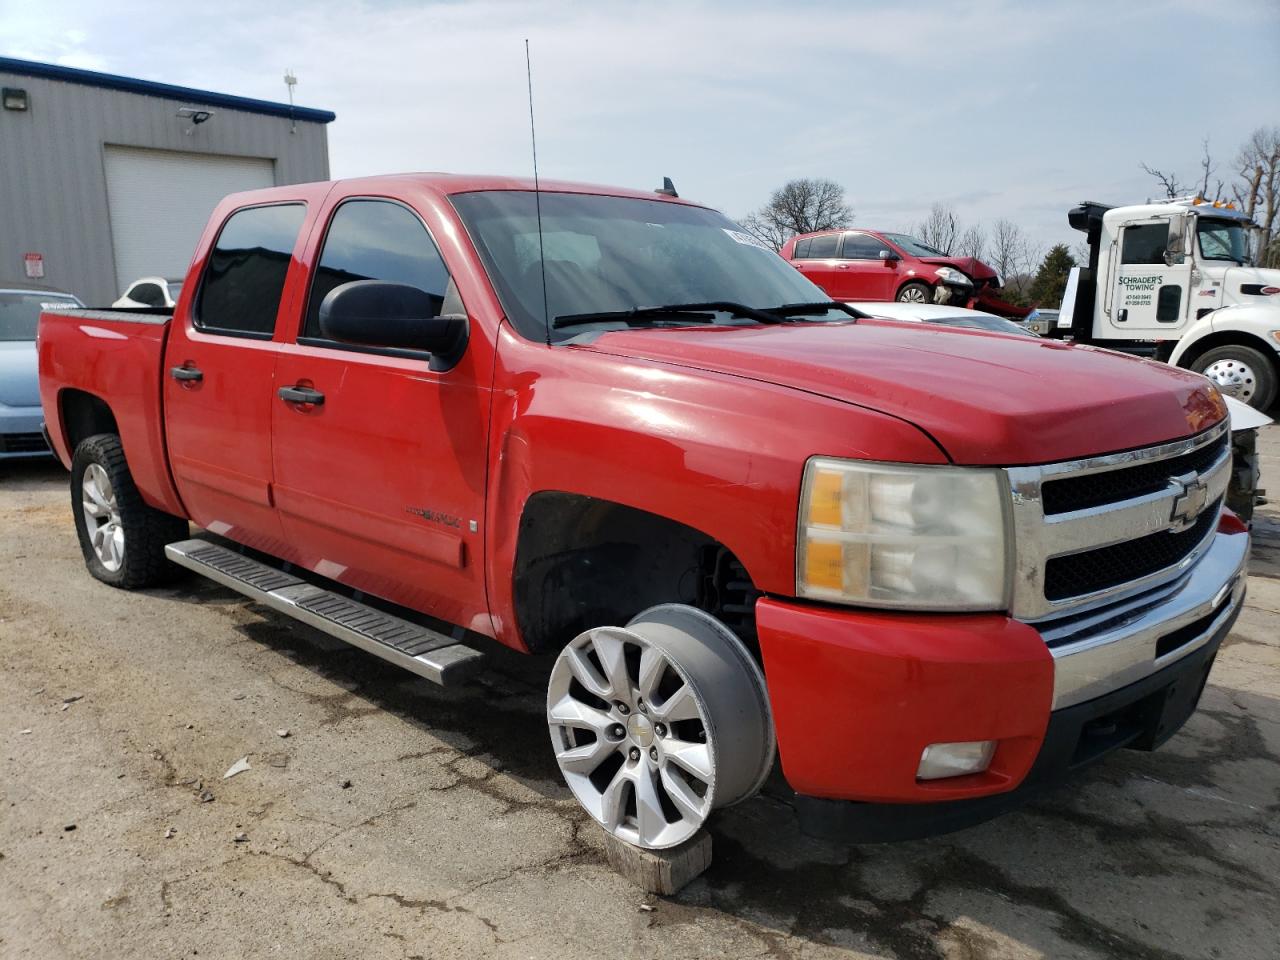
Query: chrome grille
x=1147, y=516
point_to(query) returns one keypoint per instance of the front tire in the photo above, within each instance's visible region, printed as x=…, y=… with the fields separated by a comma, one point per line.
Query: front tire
x=122, y=538
x=1241, y=372
x=915, y=292
x=658, y=723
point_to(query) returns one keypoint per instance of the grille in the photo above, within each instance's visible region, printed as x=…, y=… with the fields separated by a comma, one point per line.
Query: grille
x=1096, y=489
x=22, y=443
x=1092, y=570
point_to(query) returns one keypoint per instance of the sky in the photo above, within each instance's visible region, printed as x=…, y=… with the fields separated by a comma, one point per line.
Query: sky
x=1013, y=110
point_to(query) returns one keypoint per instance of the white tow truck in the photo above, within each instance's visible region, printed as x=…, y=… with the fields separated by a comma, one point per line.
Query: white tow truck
x=1174, y=280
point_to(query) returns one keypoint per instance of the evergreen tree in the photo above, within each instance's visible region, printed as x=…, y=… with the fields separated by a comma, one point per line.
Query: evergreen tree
x=1051, y=279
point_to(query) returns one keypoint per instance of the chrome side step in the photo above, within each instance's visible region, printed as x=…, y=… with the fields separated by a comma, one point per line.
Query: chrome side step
x=429, y=654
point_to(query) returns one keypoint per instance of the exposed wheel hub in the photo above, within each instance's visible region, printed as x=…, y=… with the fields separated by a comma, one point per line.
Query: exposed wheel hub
x=656, y=724
x=1233, y=377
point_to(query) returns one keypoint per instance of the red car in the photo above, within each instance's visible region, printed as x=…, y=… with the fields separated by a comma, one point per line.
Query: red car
x=869, y=265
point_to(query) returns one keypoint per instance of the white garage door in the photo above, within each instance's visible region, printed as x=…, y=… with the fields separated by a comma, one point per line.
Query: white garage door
x=160, y=201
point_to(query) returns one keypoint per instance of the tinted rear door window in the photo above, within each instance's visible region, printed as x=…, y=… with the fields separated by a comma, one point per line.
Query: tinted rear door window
x=824, y=247
x=240, y=293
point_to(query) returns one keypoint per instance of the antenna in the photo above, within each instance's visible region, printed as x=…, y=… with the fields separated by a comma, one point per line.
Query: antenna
x=537, y=195
x=291, y=81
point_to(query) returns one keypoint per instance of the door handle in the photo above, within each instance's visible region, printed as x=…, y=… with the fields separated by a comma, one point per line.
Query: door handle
x=188, y=374
x=842, y=266
x=301, y=395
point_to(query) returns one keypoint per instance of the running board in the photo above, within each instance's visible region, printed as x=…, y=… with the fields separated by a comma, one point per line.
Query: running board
x=429, y=654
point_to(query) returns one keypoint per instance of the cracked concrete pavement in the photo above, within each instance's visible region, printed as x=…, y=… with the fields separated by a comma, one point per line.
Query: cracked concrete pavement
x=455, y=837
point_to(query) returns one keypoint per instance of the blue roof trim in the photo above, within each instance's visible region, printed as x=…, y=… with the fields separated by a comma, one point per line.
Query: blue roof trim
x=91, y=78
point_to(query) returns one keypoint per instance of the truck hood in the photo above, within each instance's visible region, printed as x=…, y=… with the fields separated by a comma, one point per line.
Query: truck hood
x=1237, y=278
x=19, y=385
x=984, y=398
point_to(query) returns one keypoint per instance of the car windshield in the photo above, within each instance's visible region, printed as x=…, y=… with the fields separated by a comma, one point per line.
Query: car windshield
x=617, y=254
x=1223, y=240
x=20, y=311
x=916, y=248
x=994, y=324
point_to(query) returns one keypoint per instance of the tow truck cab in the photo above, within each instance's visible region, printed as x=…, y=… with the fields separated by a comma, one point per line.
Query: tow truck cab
x=1175, y=279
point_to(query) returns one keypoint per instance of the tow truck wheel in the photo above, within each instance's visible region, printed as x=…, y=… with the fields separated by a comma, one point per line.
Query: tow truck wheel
x=1241, y=372
x=121, y=537
x=915, y=292
x=658, y=723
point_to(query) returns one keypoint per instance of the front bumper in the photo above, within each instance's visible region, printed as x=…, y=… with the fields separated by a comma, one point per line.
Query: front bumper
x=857, y=695
x=22, y=433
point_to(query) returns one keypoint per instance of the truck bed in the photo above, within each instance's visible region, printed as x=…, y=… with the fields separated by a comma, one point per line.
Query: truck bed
x=121, y=368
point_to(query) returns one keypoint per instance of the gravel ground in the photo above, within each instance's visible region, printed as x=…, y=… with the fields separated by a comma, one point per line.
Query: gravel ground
x=400, y=820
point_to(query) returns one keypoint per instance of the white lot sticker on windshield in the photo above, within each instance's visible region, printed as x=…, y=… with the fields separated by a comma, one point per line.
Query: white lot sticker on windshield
x=746, y=238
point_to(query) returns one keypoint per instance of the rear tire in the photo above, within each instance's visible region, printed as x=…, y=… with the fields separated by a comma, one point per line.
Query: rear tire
x=122, y=538
x=1241, y=372
x=915, y=292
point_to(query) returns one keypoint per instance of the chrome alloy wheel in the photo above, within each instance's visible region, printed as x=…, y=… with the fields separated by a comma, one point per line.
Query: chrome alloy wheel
x=657, y=723
x=913, y=294
x=102, y=517
x=1233, y=377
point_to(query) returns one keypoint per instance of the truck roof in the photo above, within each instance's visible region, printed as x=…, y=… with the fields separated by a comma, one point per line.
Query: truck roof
x=1190, y=204
x=451, y=183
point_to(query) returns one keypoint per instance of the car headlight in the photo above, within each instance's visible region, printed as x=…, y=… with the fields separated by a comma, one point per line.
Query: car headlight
x=954, y=276
x=887, y=535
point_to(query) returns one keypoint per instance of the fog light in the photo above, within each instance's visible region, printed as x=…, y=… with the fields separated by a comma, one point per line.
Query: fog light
x=941, y=760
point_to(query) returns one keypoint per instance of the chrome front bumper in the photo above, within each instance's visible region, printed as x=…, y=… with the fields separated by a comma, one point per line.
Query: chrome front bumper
x=1119, y=646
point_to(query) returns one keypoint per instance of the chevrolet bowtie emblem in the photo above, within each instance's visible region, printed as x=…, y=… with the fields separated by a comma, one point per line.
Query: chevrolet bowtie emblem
x=1191, y=494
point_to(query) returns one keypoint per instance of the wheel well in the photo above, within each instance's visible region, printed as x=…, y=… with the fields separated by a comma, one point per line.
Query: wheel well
x=920, y=280
x=1225, y=338
x=84, y=415
x=584, y=562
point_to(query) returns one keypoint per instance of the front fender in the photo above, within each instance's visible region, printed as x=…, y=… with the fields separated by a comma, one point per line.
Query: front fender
x=1258, y=321
x=721, y=454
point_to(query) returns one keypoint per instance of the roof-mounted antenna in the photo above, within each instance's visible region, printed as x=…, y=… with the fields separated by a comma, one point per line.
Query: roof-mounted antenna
x=668, y=189
x=537, y=195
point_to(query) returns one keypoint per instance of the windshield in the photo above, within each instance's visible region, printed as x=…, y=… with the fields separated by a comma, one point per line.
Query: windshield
x=612, y=254
x=20, y=311
x=913, y=246
x=1223, y=240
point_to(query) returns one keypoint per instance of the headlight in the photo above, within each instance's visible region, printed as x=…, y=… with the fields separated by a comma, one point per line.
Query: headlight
x=884, y=535
x=951, y=275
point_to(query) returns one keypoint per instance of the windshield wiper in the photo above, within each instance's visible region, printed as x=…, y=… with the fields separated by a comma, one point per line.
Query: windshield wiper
x=801, y=309
x=693, y=312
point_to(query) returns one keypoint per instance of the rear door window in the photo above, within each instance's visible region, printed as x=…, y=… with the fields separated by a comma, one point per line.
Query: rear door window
x=823, y=248
x=240, y=292
x=378, y=240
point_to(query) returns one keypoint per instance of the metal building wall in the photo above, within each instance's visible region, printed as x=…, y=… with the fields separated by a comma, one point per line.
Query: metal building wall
x=53, y=194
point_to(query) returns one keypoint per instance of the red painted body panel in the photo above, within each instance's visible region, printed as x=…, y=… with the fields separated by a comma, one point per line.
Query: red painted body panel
x=857, y=696
x=116, y=360
x=985, y=398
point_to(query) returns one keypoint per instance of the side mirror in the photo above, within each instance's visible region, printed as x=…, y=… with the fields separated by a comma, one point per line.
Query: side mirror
x=889, y=257
x=378, y=313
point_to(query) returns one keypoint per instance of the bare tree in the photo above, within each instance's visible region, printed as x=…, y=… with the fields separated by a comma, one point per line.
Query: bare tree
x=1257, y=189
x=1168, y=181
x=940, y=229
x=801, y=206
x=1207, y=169
x=1014, y=257
x=973, y=242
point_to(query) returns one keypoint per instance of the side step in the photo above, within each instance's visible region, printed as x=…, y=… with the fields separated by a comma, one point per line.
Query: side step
x=424, y=651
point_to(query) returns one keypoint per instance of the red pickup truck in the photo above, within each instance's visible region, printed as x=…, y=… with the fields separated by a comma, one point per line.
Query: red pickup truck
x=930, y=570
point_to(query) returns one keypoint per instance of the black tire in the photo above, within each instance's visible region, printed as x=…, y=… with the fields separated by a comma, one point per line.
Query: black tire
x=914, y=289
x=145, y=530
x=1258, y=386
